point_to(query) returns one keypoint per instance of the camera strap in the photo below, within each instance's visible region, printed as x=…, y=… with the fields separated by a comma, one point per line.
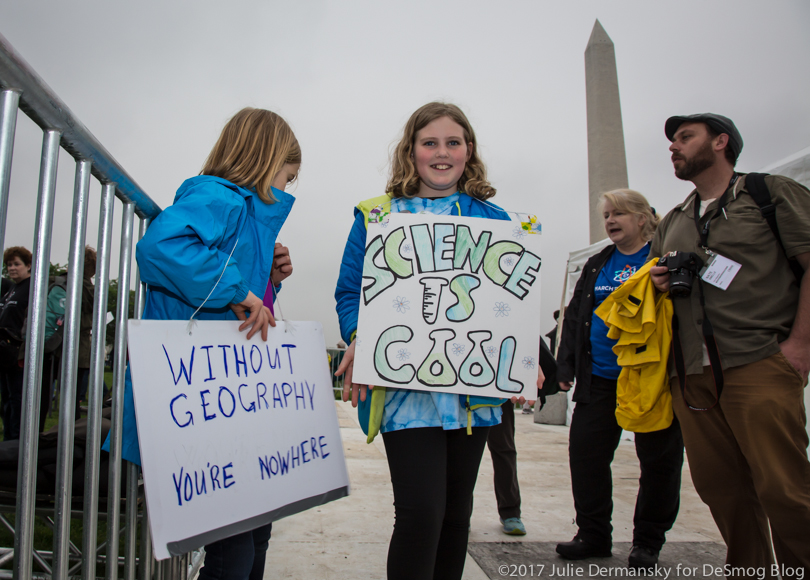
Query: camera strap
x=711, y=348
x=708, y=330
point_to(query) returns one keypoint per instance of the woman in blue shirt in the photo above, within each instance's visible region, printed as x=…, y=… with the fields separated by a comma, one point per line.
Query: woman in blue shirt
x=586, y=353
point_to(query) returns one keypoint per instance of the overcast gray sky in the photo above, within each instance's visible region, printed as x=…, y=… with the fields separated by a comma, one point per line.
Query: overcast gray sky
x=155, y=81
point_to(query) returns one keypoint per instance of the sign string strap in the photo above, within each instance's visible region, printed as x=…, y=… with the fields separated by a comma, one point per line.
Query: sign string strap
x=191, y=321
x=288, y=326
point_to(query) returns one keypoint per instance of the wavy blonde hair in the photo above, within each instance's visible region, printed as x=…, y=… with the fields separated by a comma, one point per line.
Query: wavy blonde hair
x=404, y=181
x=253, y=147
x=631, y=201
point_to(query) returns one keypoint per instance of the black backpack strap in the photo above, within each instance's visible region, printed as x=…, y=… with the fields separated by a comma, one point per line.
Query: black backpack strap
x=758, y=190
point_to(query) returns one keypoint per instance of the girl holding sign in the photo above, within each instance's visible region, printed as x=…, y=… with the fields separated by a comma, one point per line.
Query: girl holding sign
x=212, y=255
x=434, y=441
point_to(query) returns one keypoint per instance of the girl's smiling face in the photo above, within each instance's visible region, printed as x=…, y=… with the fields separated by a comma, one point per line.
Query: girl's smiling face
x=440, y=155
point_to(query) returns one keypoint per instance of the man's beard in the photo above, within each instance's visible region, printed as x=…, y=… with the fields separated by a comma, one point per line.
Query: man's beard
x=700, y=162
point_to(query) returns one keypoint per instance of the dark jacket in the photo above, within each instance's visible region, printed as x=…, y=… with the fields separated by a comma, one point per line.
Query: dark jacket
x=14, y=307
x=86, y=325
x=574, y=356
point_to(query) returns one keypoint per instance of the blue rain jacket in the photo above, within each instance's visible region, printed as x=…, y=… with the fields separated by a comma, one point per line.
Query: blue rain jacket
x=187, y=247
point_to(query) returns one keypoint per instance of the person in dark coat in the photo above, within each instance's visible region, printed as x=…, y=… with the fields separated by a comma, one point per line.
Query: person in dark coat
x=13, y=311
x=586, y=354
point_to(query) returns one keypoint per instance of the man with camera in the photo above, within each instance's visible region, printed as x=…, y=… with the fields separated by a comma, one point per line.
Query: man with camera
x=741, y=343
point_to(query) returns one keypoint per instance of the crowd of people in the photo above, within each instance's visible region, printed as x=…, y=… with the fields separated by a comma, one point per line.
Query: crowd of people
x=13, y=327
x=739, y=363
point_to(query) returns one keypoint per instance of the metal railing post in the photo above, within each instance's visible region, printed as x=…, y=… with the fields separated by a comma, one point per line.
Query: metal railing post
x=70, y=359
x=34, y=340
x=119, y=375
x=96, y=387
x=145, y=569
x=9, y=102
x=130, y=539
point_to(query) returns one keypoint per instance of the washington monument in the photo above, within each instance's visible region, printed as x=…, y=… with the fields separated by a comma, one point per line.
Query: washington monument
x=607, y=164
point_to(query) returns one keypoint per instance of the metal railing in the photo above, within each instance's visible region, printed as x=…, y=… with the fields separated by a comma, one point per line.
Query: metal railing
x=22, y=89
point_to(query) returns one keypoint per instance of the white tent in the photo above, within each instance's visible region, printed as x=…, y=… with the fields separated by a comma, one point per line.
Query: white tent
x=796, y=166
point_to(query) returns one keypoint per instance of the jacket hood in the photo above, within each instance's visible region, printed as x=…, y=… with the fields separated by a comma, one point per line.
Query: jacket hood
x=265, y=213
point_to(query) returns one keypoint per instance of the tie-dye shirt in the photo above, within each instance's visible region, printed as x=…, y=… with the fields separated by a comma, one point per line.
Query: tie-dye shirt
x=406, y=409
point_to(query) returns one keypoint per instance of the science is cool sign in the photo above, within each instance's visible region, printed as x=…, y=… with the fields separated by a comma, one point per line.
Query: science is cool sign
x=450, y=304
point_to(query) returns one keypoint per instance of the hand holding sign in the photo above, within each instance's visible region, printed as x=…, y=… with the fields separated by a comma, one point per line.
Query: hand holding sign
x=259, y=318
x=282, y=265
x=351, y=389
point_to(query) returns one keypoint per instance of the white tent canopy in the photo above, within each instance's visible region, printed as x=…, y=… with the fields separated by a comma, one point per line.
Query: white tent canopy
x=796, y=166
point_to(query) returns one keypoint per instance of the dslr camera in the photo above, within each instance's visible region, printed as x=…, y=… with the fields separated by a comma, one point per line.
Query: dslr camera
x=683, y=267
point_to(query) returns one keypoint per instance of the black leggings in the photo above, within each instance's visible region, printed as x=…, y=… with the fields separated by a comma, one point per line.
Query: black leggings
x=594, y=436
x=433, y=473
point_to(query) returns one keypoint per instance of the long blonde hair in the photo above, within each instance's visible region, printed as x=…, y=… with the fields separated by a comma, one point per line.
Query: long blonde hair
x=253, y=147
x=404, y=182
x=631, y=201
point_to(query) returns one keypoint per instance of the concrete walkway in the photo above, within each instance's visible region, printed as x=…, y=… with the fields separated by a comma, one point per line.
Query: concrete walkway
x=348, y=539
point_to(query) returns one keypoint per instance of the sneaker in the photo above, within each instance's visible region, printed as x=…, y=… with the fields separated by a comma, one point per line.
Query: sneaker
x=513, y=527
x=527, y=411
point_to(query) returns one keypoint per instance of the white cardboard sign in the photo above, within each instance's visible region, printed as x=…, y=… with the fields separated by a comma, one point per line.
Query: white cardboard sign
x=450, y=304
x=233, y=433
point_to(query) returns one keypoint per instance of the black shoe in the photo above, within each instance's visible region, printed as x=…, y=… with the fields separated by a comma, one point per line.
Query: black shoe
x=641, y=557
x=578, y=549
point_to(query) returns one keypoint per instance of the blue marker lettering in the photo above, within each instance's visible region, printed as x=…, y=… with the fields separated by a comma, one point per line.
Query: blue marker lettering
x=289, y=356
x=284, y=462
x=253, y=349
x=296, y=456
x=252, y=405
x=207, y=350
x=238, y=362
x=226, y=476
x=178, y=485
x=188, y=488
x=321, y=445
x=311, y=395
x=200, y=490
x=233, y=401
x=214, y=476
x=260, y=396
x=264, y=467
x=277, y=396
x=301, y=396
x=182, y=372
x=225, y=348
x=273, y=364
x=171, y=410
x=286, y=392
x=205, y=404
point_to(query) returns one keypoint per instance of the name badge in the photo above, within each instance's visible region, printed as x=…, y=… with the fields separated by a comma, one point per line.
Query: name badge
x=719, y=271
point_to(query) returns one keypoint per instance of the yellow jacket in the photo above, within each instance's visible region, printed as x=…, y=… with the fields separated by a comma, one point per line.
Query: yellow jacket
x=641, y=322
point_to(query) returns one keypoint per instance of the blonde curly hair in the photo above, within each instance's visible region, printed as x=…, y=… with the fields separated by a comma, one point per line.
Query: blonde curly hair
x=404, y=181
